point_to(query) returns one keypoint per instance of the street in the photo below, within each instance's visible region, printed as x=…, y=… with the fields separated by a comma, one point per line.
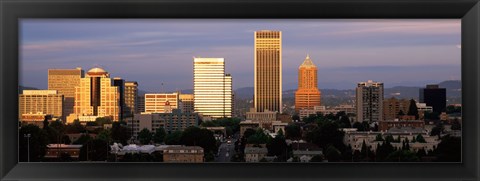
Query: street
x=225, y=151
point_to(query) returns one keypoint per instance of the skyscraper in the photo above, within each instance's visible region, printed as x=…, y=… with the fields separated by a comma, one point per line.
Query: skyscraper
x=212, y=90
x=131, y=93
x=120, y=84
x=268, y=71
x=307, y=96
x=369, y=101
x=64, y=81
x=96, y=96
x=434, y=96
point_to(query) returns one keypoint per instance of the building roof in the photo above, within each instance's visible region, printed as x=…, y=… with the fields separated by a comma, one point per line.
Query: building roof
x=63, y=146
x=255, y=150
x=406, y=130
x=308, y=62
x=97, y=70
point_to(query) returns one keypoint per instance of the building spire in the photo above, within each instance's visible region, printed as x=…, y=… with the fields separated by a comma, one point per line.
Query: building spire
x=308, y=62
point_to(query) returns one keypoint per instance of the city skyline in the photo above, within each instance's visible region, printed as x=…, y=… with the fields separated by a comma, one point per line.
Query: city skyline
x=408, y=45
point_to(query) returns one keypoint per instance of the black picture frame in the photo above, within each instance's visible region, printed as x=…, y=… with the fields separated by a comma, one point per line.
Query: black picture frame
x=13, y=10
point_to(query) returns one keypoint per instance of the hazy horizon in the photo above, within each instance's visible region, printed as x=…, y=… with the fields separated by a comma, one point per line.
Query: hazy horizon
x=152, y=52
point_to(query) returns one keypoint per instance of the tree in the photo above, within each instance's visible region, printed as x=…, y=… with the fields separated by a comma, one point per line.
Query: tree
x=194, y=136
x=437, y=130
x=278, y=147
x=449, y=149
x=295, y=117
x=145, y=136
x=389, y=138
x=119, y=132
x=327, y=133
x=456, y=125
x=159, y=135
x=74, y=128
x=379, y=137
x=248, y=132
x=332, y=154
x=35, y=146
x=238, y=157
x=96, y=149
x=105, y=136
x=383, y=151
x=258, y=138
x=413, y=109
x=173, y=138
x=360, y=126
x=420, y=139
x=82, y=140
x=403, y=156
x=401, y=113
x=103, y=120
x=318, y=158
x=293, y=131
x=345, y=121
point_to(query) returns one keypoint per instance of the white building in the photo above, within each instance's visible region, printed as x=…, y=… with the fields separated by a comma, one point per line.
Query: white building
x=213, y=95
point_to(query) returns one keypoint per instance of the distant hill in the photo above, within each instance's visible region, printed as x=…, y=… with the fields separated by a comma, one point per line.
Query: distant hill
x=453, y=90
x=244, y=93
x=21, y=88
x=402, y=92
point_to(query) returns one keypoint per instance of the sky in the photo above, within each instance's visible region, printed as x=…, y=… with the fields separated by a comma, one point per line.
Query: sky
x=155, y=51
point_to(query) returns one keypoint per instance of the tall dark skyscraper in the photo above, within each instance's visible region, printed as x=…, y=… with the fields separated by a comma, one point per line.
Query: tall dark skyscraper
x=120, y=83
x=434, y=96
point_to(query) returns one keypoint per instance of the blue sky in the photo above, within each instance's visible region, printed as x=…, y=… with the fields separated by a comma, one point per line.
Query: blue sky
x=152, y=52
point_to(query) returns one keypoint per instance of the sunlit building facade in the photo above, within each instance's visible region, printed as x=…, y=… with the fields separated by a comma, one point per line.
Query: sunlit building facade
x=33, y=102
x=307, y=96
x=161, y=102
x=369, y=100
x=268, y=71
x=64, y=81
x=212, y=88
x=96, y=96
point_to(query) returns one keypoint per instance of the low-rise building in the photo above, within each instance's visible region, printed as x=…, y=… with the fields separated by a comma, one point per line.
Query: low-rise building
x=171, y=122
x=57, y=150
x=356, y=138
x=248, y=124
x=265, y=118
x=183, y=154
x=386, y=125
x=255, y=154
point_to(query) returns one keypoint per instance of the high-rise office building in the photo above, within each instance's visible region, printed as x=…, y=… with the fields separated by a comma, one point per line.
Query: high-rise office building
x=65, y=81
x=47, y=102
x=434, y=96
x=187, y=103
x=212, y=88
x=96, y=96
x=131, y=94
x=369, y=100
x=307, y=96
x=161, y=102
x=140, y=104
x=268, y=71
x=120, y=84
